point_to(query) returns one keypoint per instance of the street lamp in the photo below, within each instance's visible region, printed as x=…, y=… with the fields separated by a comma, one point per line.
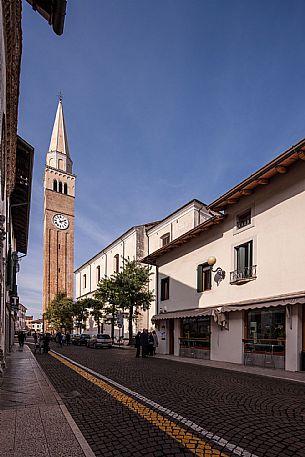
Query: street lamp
x=220, y=274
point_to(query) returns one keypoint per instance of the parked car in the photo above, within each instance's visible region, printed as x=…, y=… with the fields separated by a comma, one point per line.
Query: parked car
x=102, y=340
x=75, y=338
x=84, y=337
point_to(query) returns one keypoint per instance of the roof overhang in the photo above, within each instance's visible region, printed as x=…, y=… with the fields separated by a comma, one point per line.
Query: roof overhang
x=21, y=195
x=54, y=11
x=196, y=231
x=262, y=177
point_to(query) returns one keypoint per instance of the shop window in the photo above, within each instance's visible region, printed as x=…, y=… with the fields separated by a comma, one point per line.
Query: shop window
x=116, y=263
x=2, y=157
x=243, y=219
x=165, y=289
x=165, y=239
x=266, y=331
x=55, y=185
x=204, y=277
x=195, y=335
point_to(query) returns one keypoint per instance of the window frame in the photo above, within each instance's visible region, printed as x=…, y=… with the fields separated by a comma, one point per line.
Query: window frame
x=98, y=273
x=165, y=239
x=204, y=280
x=116, y=263
x=164, y=289
x=244, y=216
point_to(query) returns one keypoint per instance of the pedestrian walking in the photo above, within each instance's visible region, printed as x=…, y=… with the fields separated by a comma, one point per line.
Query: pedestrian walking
x=150, y=344
x=156, y=342
x=68, y=338
x=46, y=342
x=59, y=338
x=21, y=338
x=137, y=344
x=35, y=337
x=144, y=343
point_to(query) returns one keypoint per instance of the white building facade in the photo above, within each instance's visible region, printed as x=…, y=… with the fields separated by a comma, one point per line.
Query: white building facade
x=249, y=308
x=136, y=243
x=133, y=245
x=20, y=323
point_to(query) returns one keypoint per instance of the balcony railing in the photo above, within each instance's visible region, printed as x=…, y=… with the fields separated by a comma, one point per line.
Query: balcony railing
x=243, y=275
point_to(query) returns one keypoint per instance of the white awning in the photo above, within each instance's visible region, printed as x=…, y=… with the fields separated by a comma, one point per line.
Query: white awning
x=267, y=303
x=278, y=300
x=197, y=312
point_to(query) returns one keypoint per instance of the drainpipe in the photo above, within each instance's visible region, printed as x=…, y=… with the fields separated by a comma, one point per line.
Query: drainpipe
x=90, y=277
x=157, y=289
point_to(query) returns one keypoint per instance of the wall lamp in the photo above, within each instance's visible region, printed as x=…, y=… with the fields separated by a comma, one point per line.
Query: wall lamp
x=220, y=274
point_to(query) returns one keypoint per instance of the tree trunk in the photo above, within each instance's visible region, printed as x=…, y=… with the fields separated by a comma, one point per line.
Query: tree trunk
x=112, y=327
x=130, y=325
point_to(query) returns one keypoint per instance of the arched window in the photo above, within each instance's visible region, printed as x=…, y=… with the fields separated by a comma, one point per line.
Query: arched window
x=98, y=273
x=55, y=185
x=116, y=263
x=65, y=188
x=60, y=164
x=60, y=187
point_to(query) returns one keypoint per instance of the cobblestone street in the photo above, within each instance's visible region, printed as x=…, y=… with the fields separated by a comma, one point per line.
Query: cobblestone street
x=175, y=409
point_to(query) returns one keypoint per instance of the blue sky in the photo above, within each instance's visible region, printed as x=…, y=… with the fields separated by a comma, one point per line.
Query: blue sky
x=164, y=101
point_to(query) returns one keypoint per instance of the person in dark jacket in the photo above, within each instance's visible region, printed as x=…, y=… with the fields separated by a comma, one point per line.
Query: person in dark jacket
x=21, y=338
x=137, y=343
x=144, y=343
x=46, y=343
x=150, y=344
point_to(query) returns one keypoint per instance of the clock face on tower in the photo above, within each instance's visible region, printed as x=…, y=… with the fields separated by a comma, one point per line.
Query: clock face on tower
x=60, y=221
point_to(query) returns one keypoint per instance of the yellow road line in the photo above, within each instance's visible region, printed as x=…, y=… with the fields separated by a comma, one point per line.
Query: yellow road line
x=194, y=444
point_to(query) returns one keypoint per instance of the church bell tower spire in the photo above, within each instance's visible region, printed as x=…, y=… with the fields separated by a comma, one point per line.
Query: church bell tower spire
x=59, y=194
x=58, y=155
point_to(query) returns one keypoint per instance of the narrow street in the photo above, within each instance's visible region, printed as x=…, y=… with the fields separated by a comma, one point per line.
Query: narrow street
x=158, y=407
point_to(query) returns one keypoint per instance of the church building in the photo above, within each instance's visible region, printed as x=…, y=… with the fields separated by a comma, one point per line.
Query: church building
x=59, y=194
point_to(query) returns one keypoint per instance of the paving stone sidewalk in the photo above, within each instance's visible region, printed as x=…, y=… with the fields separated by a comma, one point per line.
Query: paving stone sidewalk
x=33, y=420
x=297, y=376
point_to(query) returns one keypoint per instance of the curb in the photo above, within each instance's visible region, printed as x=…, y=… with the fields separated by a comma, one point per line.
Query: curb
x=74, y=427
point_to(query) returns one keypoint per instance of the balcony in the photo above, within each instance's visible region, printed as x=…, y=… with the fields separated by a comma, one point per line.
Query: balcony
x=243, y=275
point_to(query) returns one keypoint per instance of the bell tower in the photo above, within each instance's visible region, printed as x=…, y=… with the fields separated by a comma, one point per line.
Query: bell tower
x=59, y=194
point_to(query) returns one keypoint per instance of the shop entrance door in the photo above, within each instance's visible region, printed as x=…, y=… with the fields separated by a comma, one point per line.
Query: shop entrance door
x=171, y=337
x=303, y=339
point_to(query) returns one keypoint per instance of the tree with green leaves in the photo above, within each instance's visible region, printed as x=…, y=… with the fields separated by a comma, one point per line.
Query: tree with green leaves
x=97, y=311
x=132, y=290
x=60, y=312
x=107, y=293
x=80, y=313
